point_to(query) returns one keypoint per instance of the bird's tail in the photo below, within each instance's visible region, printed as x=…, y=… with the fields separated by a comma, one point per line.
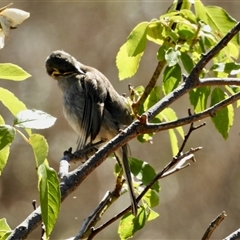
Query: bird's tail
x=128, y=176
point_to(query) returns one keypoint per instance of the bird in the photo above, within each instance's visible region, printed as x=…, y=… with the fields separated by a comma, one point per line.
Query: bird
x=91, y=105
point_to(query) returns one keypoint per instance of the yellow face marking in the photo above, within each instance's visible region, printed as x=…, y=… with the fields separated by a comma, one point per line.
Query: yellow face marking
x=56, y=73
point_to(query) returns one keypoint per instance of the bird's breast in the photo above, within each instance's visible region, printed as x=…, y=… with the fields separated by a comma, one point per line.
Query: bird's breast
x=73, y=104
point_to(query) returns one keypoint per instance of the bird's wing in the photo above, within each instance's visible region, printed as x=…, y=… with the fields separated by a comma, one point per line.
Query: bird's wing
x=95, y=95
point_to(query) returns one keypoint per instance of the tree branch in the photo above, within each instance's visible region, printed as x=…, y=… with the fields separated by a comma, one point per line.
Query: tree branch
x=179, y=162
x=70, y=181
x=213, y=225
x=233, y=236
x=149, y=87
x=211, y=111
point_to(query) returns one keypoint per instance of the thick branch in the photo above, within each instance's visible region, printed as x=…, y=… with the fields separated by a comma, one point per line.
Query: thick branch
x=149, y=128
x=219, y=81
x=233, y=236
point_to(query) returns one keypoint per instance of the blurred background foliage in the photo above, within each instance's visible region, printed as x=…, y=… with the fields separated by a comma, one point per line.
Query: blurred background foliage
x=93, y=32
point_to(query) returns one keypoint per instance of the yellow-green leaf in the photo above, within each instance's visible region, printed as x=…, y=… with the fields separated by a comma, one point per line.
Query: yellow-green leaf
x=223, y=119
x=136, y=42
x=11, y=101
x=5, y=230
x=50, y=197
x=7, y=134
x=130, y=224
x=4, y=153
x=11, y=71
x=127, y=66
x=40, y=148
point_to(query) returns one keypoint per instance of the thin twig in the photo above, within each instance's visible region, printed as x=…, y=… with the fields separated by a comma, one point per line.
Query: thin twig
x=151, y=84
x=160, y=175
x=104, y=204
x=91, y=220
x=213, y=225
x=186, y=137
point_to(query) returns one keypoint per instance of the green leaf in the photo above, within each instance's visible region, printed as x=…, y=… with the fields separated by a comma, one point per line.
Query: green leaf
x=50, y=197
x=200, y=11
x=11, y=101
x=153, y=98
x=129, y=224
x=171, y=78
x=151, y=198
x=168, y=114
x=11, y=71
x=136, y=42
x=7, y=134
x=1, y=120
x=161, y=53
x=4, y=153
x=34, y=119
x=144, y=172
x=185, y=32
x=172, y=57
x=152, y=215
x=187, y=62
x=5, y=230
x=199, y=97
x=173, y=141
x=233, y=90
x=189, y=15
x=223, y=120
x=221, y=23
x=127, y=66
x=231, y=68
x=147, y=137
x=40, y=148
x=154, y=32
x=186, y=4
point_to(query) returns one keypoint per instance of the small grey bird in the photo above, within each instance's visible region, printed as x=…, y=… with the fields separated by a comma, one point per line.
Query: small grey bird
x=91, y=105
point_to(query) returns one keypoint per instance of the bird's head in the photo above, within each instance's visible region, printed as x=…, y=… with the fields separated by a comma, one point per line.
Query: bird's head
x=61, y=64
